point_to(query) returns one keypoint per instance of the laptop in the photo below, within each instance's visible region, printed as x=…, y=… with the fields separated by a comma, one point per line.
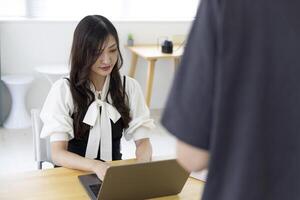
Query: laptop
x=137, y=181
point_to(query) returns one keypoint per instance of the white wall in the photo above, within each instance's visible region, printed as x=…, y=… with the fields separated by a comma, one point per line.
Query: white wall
x=28, y=44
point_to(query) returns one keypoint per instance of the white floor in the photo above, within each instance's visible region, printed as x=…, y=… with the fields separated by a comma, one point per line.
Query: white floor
x=16, y=148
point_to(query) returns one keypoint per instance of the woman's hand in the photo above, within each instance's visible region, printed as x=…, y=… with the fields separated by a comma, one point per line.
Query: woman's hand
x=100, y=168
x=143, y=150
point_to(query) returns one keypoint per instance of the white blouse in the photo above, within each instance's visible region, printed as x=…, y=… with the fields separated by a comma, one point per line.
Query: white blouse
x=58, y=123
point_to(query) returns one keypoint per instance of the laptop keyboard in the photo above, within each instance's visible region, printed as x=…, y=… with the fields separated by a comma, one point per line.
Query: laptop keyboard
x=95, y=188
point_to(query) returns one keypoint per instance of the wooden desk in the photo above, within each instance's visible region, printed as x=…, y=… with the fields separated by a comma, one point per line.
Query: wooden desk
x=62, y=183
x=151, y=53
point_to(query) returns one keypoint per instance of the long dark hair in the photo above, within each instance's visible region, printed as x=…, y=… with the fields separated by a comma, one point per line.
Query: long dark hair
x=89, y=35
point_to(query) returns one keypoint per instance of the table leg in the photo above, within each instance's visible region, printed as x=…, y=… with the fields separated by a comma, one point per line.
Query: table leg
x=176, y=63
x=150, y=76
x=133, y=65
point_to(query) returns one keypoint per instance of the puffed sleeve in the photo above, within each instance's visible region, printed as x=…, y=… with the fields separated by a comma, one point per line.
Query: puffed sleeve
x=57, y=111
x=141, y=124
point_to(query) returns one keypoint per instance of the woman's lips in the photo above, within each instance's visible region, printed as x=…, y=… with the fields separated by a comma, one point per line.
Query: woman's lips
x=105, y=68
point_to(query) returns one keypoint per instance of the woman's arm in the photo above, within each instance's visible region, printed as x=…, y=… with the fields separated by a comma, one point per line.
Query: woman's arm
x=143, y=150
x=62, y=157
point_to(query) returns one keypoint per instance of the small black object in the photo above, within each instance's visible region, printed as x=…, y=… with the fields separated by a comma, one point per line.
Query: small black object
x=167, y=46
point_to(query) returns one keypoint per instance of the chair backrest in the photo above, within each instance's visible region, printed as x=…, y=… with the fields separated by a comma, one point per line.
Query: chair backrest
x=42, y=149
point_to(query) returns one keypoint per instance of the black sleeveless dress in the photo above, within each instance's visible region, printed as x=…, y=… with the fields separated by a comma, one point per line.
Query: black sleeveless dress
x=78, y=146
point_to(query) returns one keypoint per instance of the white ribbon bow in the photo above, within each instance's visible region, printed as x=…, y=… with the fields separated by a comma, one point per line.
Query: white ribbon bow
x=101, y=129
x=101, y=132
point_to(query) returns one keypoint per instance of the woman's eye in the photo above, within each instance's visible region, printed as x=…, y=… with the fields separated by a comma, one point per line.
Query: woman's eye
x=113, y=50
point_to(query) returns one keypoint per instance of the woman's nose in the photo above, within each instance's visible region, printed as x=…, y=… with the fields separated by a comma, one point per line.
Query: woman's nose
x=105, y=58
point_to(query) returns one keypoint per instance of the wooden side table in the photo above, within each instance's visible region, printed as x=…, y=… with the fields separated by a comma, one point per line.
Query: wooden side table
x=151, y=53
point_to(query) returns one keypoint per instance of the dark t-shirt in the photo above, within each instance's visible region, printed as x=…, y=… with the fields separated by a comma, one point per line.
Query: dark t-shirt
x=237, y=95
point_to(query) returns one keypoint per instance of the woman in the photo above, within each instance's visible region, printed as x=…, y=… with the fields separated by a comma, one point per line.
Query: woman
x=86, y=114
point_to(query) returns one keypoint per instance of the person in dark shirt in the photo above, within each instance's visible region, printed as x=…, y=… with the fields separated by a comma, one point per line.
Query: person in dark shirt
x=235, y=102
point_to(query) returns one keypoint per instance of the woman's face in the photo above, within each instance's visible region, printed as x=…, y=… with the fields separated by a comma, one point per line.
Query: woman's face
x=107, y=58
